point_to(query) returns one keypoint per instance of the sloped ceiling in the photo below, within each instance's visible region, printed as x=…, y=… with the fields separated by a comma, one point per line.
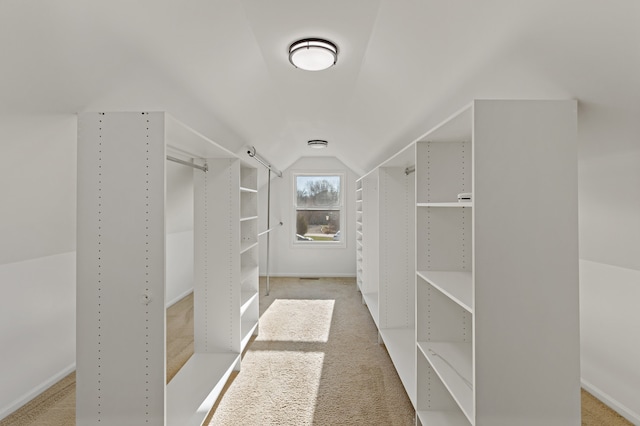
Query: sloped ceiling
x=221, y=66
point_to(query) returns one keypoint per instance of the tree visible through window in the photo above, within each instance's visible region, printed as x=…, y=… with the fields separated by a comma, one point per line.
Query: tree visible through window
x=318, y=204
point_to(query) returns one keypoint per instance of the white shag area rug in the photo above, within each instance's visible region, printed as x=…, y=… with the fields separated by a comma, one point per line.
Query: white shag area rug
x=315, y=361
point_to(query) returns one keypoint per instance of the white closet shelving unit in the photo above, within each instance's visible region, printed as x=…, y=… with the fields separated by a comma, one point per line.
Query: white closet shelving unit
x=497, y=277
x=389, y=257
x=370, y=244
x=121, y=361
x=359, y=245
x=249, y=307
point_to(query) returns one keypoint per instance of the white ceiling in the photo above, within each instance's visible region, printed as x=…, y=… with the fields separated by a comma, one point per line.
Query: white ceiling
x=221, y=66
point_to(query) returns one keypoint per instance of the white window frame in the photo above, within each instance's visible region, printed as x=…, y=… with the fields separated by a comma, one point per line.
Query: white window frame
x=342, y=243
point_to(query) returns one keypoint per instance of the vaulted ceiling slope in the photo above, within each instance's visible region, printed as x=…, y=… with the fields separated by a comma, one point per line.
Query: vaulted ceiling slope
x=221, y=66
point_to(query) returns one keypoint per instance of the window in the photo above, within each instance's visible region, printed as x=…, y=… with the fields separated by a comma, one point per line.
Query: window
x=318, y=203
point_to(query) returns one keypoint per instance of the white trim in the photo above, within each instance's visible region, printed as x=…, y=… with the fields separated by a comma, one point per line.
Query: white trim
x=611, y=402
x=18, y=403
x=179, y=297
x=310, y=275
x=342, y=209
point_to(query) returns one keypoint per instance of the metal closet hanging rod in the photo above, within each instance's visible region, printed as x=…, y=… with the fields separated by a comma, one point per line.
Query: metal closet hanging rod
x=269, y=230
x=204, y=168
x=252, y=153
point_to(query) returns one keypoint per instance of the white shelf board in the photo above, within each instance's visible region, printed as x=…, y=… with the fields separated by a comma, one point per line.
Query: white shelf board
x=246, y=297
x=447, y=204
x=196, y=387
x=243, y=189
x=246, y=272
x=456, y=285
x=401, y=345
x=453, y=364
x=247, y=245
x=247, y=328
x=243, y=219
x=371, y=299
x=442, y=418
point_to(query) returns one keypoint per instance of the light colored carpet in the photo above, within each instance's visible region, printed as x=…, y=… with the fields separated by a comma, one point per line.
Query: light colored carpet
x=302, y=369
x=316, y=361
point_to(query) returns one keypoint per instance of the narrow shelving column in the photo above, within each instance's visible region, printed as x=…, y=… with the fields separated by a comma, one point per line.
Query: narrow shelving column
x=359, y=247
x=444, y=278
x=249, y=287
x=370, y=240
x=397, y=279
x=120, y=315
x=386, y=258
x=217, y=264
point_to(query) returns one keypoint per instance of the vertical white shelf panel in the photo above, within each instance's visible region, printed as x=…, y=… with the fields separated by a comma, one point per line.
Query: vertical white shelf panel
x=121, y=271
x=370, y=245
x=526, y=262
x=388, y=258
x=249, y=285
x=444, y=239
x=497, y=276
x=397, y=266
x=120, y=355
x=216, y=305
x=359, y=249
x=397, y=255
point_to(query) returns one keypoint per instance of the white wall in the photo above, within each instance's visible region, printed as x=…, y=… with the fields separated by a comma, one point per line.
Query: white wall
x=610, y=346
x=37, y=326
x=609, y=196
x=37, y=258
x=305, y=261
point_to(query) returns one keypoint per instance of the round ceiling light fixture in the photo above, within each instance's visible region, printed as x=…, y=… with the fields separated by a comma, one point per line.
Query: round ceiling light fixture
x=317, y=143
x=313, y=54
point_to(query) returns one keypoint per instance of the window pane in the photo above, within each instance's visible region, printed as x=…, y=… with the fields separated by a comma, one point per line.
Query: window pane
x=318, y=225
x=318, y=191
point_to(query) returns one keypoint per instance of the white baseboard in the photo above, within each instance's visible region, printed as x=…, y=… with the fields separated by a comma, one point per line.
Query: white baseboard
x=179, y=298
x=5, y=411
x=309, y=275
x=611, y=402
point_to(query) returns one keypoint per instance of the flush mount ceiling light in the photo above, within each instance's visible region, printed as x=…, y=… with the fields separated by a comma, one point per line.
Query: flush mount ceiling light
x=313, y=54
x=317, y=143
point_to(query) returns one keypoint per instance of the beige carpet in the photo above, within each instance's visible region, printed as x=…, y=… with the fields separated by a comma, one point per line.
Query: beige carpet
x=316, y=361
